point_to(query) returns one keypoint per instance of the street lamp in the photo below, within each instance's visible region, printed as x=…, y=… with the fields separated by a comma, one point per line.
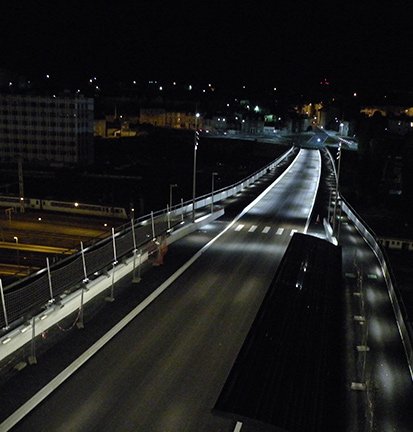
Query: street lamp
x=212, y=190
x=16, y=239
x=338, y=179
x=196, y=140
x=171, y=186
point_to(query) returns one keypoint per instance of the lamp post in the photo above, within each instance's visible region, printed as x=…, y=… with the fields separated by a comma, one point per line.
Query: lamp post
x=171, y=186
x=212, y=190
x=338, y=179
x=16, y=239
x=196, y=140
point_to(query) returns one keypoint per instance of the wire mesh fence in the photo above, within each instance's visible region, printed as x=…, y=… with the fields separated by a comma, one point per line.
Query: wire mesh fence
x=26, y=297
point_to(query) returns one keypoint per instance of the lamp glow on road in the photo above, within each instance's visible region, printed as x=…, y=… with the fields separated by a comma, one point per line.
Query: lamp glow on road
x=76, y=204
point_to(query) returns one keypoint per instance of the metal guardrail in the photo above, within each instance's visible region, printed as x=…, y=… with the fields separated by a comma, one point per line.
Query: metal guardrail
x=27, y=297
x=396, y=299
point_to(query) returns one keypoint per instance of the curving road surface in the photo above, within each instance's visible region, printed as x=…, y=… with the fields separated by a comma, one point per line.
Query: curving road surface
x=165, y=370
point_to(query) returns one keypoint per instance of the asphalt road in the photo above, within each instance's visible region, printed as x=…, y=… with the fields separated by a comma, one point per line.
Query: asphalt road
x=164, y=371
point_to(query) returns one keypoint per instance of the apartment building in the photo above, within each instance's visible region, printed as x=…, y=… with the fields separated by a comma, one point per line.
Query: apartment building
x=46, y=130
x=170, y=118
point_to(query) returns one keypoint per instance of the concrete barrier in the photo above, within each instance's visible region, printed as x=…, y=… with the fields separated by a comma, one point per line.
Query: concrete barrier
x=22, y=335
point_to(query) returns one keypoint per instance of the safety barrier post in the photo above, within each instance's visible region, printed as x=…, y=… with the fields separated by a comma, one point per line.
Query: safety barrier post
x=111, y=297
x=50, y=281
x=4, y=305
x=80, y=323
x=115, y=260
x=32, y=357
x=132, y=222
x=153, y=226
x=86, y=279
x=136, y=278
x=182, y=209
x=168, y=217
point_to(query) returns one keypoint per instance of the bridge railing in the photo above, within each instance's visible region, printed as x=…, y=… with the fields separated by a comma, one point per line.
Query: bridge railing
x=29, y=296
x=399, y=308
x=396, y=299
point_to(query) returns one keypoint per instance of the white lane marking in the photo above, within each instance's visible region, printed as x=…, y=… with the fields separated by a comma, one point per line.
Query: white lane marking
x=42, y=394
x=252, y=228
x=239, y=227
x=266, y=229
x=238, y=427
x=279, y=231
x=292, y=232
x=315, y=194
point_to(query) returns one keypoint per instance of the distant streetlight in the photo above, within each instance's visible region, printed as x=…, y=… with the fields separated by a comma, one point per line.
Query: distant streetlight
x=171, y=186
x=212, y=190
x=196, y=140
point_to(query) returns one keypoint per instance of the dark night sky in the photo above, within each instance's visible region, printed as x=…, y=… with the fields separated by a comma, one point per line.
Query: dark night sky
x=353, y=44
